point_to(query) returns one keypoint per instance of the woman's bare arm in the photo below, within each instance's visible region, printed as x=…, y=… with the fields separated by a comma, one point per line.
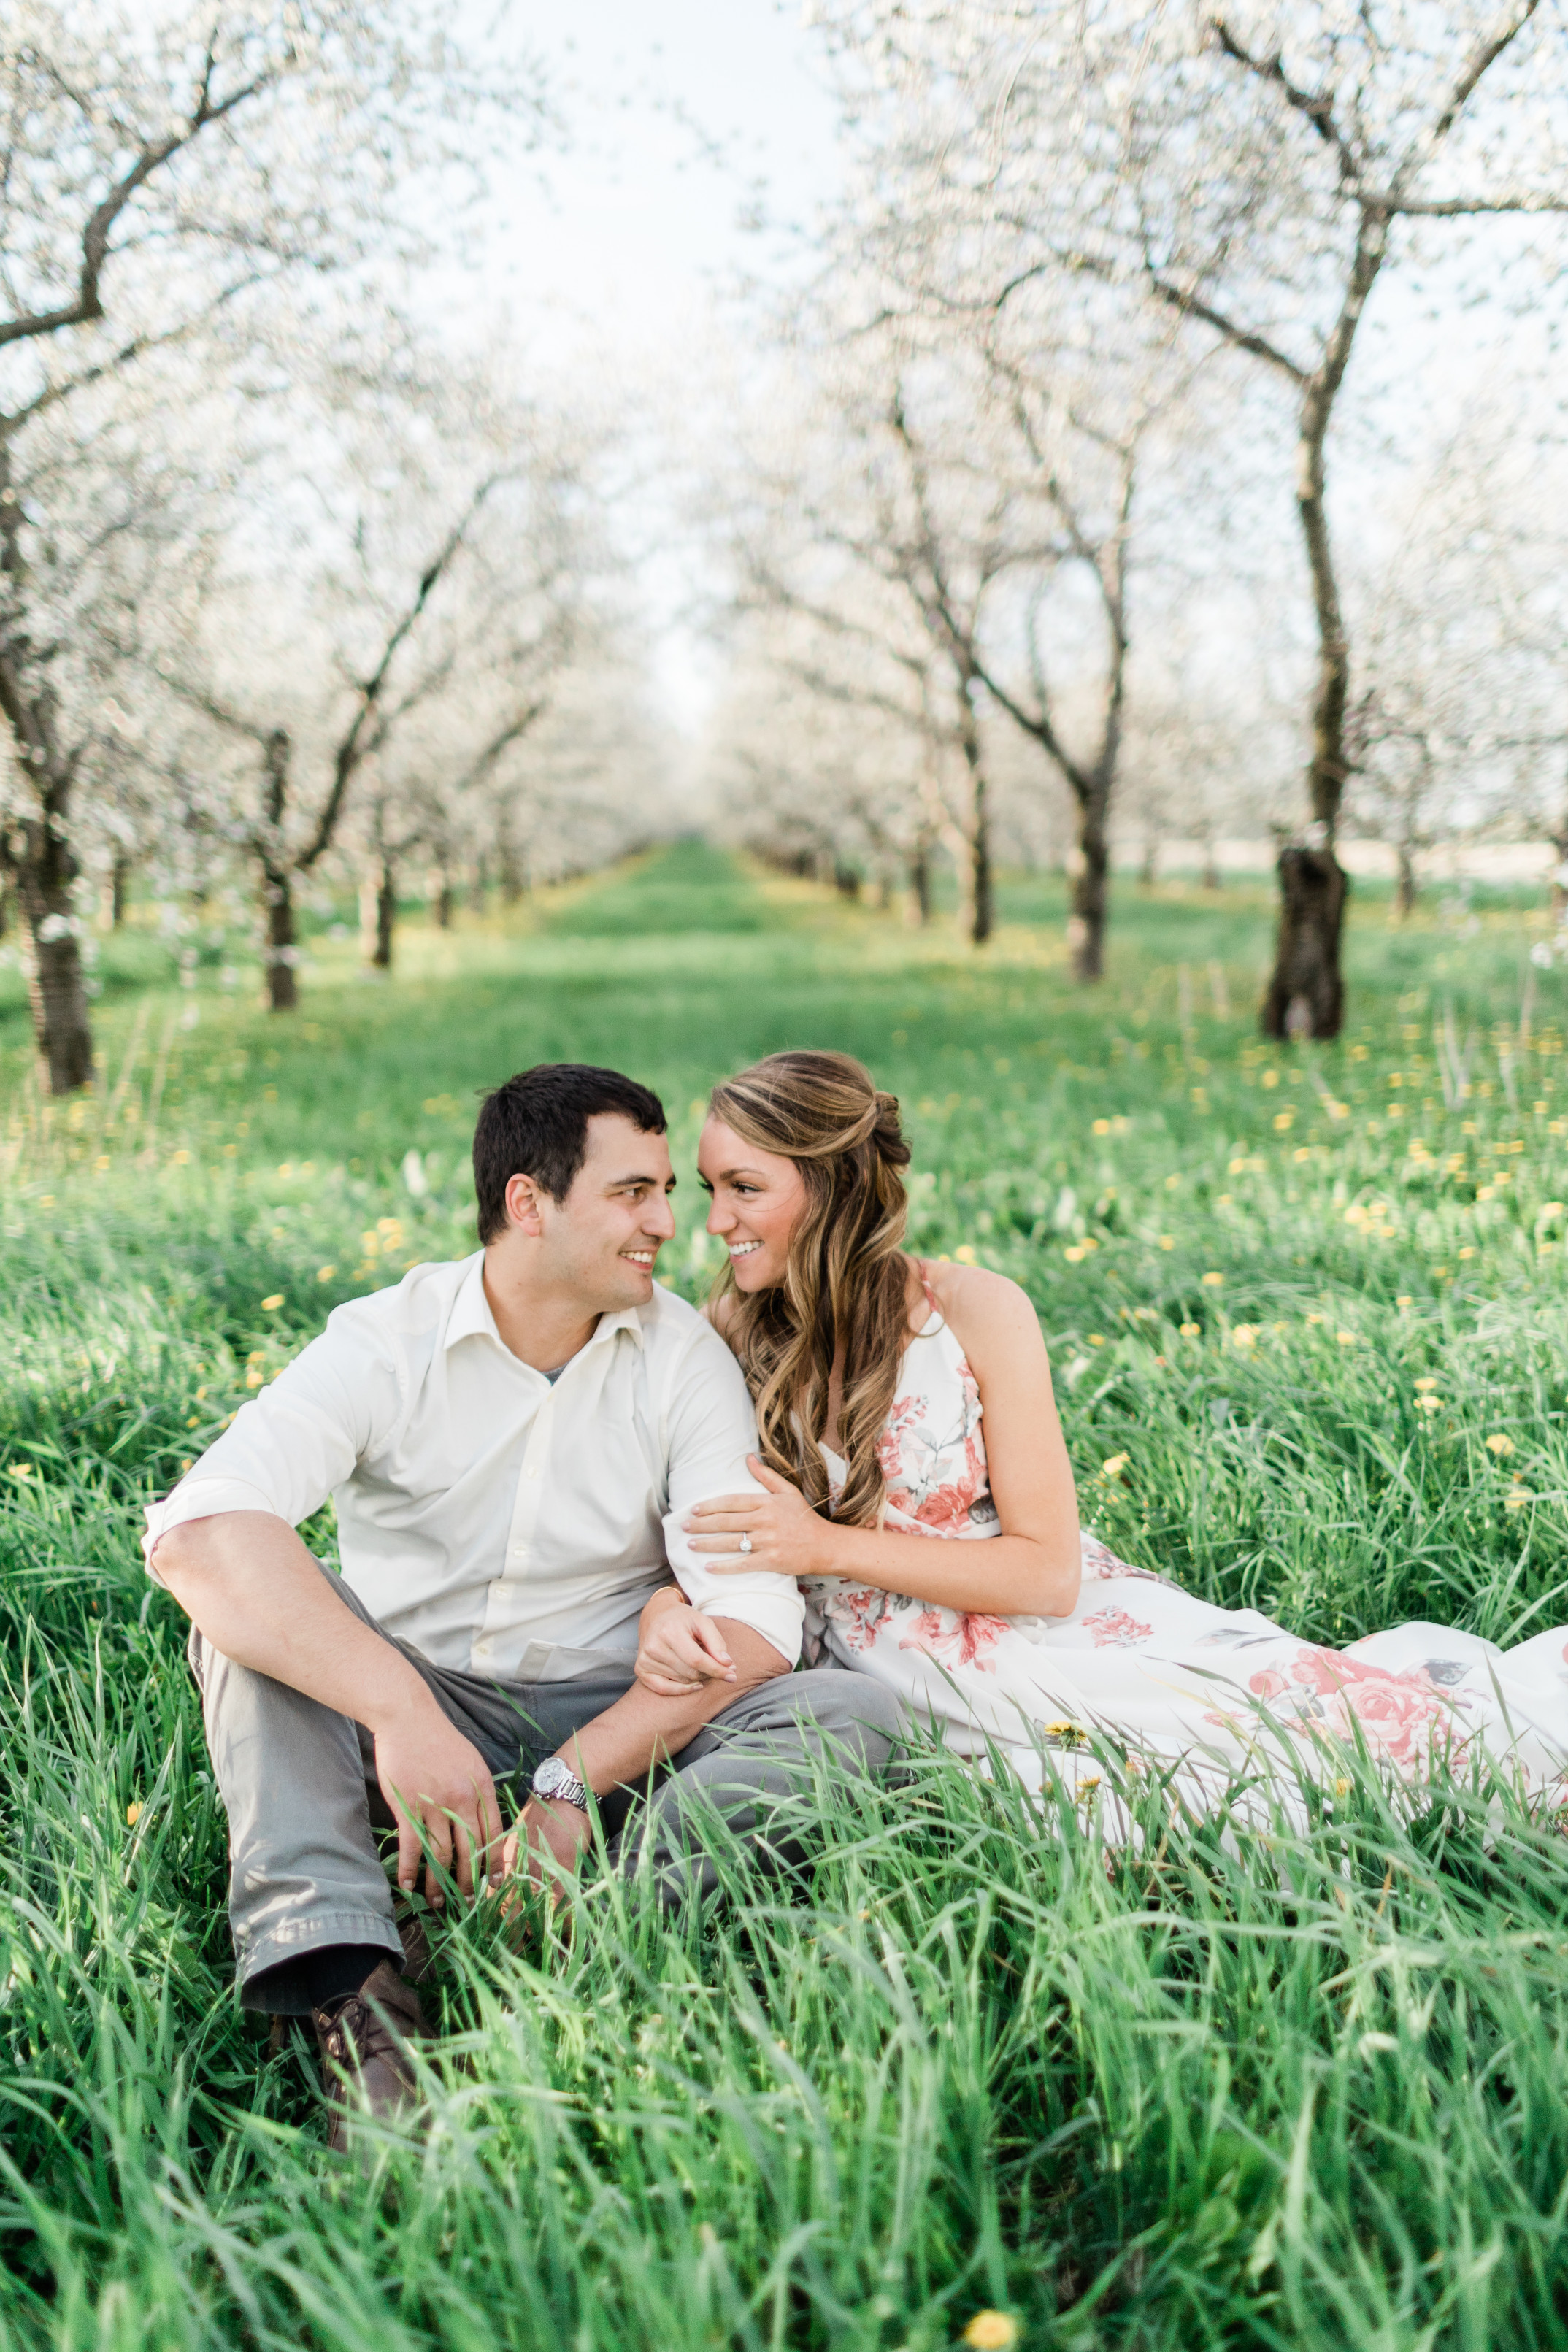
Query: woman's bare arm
x=1031, y=1569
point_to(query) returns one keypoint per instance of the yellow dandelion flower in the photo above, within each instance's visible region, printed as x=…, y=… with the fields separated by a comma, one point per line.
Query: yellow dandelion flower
x=1405, y=1302
x=1113, y=1465
x=325, y=1273
x=269, y=1306
x=1212, y=1281
x=1426, y=1384
x=1517, y=1501
x=1345, y=1338
x=964, y=1253
x=1428, y=1404
x=1245, y=1336
x=1102, y=1127
x=1191, y=1330
x=1096, y=1338
x=132, y=1815
x=991, y=2331
x=21, y=1470
x=1167, y=1241
x=1499, y=1444
x=1074, y=1257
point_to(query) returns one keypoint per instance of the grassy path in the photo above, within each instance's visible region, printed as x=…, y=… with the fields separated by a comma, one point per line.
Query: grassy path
x=1307, y=1324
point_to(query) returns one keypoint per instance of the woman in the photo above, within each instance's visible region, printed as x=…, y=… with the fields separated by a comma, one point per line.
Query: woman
x=899, y=1401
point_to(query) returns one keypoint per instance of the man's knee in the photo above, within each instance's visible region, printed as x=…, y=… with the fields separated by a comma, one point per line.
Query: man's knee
x=848, y=1707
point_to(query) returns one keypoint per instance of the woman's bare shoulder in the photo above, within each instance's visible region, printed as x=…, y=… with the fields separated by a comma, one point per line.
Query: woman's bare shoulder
x=981, y=1306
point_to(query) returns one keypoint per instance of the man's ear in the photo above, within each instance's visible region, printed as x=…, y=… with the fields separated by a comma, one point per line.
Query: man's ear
x=523, y=1196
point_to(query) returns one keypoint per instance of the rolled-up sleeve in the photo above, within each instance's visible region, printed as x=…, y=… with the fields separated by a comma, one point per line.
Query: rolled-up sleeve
x=712, y=1428
x=290, y=1447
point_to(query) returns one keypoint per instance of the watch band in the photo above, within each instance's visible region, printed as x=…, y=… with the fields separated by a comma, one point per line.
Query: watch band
x=554, y=1778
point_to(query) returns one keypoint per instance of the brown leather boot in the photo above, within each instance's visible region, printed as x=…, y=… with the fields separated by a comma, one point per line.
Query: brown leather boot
x=363, y=2041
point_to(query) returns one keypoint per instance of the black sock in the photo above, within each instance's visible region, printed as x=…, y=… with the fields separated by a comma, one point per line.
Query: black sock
x=317, y=1978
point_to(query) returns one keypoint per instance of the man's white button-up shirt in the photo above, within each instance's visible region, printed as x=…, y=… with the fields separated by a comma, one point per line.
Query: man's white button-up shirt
x=504, y=1526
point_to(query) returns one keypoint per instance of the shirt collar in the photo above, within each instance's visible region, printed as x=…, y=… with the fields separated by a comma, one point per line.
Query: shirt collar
x=472, y=1317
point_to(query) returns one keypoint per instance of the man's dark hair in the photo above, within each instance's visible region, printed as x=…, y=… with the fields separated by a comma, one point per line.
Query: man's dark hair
x=537, y=1125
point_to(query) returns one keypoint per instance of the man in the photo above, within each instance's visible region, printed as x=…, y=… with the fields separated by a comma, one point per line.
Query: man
x=513, y=1443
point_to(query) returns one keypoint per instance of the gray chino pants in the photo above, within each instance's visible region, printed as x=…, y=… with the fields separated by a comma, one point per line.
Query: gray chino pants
x=297, y=1780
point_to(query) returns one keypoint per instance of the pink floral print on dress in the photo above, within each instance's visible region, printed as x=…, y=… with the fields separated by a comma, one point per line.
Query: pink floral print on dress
x=1114, y=1629
x=1203, y=1693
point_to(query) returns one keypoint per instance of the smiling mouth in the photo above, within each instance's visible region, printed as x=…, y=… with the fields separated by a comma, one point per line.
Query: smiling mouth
x=644, y=1258
x=742, y=1249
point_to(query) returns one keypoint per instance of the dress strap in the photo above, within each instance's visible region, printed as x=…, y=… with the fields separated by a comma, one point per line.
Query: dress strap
x=931, y=1299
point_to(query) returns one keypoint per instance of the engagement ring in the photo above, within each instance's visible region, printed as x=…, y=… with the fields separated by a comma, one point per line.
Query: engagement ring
x=746, y=1543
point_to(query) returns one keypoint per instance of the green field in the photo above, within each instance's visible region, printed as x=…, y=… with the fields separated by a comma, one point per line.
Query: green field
x=1307, y=1320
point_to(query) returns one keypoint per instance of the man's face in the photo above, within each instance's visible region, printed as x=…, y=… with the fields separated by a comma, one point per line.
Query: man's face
x=600, y=1243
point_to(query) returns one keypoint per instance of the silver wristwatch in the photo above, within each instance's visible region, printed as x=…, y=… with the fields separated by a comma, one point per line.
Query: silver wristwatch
x=554, y=1778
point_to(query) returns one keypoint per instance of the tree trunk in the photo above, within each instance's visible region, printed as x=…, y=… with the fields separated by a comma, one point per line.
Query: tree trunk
x=445, y=901
x=40, y=855
x=119, y=891
x=1090, y=894
x=1209, y=878
x=513, y=869
x=846, y=880
x=386, y=915
x=1149, y=866
x=920, y=884
x=1306, y=995
x=979, y=904
x=57, y=985
x=479, y=890
x=1405, y=888
x=281, y=955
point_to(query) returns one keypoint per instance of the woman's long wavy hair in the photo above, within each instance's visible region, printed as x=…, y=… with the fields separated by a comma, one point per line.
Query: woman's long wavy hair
x=846, y=1283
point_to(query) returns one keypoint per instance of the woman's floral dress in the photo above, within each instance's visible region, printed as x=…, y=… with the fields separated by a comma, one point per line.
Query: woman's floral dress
x=1167, y=1677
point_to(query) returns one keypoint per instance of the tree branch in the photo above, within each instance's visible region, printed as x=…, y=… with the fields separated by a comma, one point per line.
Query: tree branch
x=88, y=303
x=1193, y=306
x=1520, y=200
x=1318, y=110
x=353, y=748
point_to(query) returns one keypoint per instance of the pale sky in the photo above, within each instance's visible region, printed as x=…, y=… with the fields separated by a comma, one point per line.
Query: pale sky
x=682, y=119
x=637, y=223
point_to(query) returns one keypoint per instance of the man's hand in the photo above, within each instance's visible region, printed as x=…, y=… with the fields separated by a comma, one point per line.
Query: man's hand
x=440, y=1788
x=547, y=1828
x=677, y=1649
x=788, y=1538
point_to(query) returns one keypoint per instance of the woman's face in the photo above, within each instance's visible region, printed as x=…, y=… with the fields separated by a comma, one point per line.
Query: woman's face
x=757, y=1199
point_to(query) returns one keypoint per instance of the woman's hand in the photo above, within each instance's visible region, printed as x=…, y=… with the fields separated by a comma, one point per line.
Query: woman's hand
x=679, y=1648
x=787, y=1537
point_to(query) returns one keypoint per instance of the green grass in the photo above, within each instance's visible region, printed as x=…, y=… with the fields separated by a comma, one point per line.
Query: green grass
x=1305, y=2088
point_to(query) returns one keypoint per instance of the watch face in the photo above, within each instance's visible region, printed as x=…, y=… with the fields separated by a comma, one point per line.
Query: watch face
x=554, y=1778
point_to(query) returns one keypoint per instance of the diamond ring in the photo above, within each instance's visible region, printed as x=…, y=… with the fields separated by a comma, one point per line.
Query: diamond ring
x=746, y=1543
